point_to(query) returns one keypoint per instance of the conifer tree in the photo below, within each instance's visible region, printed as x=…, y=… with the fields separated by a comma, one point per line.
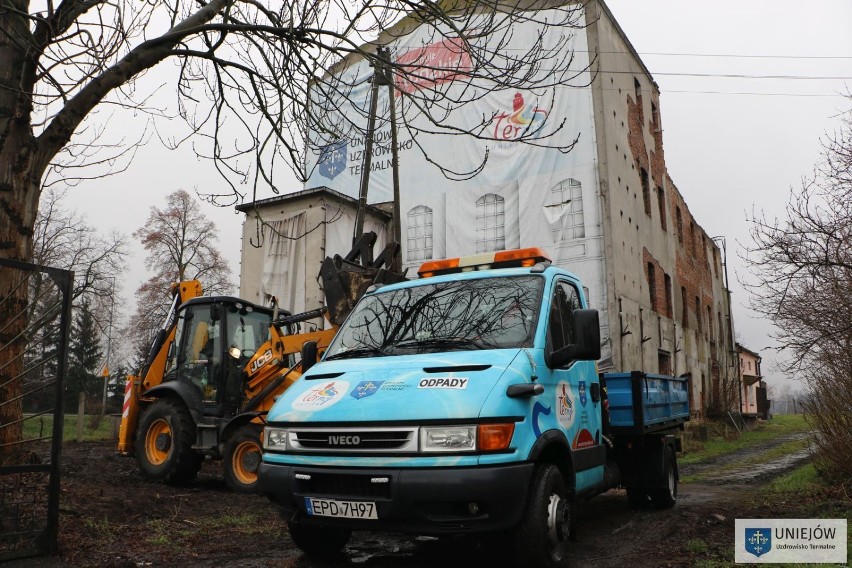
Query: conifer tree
x=84, y=358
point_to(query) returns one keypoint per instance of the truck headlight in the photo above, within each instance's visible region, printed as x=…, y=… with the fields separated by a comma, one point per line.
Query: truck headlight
x=275, y=439
x=448, y=439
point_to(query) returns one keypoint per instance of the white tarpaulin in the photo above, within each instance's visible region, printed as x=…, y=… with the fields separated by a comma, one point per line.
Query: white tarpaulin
x=284, y=262
x=525, y=195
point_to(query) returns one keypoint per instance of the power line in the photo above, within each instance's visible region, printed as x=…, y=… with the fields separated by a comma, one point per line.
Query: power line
x=727, y=75
x=666, y=91
x=742, y=55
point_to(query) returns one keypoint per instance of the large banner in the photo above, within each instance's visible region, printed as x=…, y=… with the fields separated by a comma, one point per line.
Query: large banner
x=525, y=194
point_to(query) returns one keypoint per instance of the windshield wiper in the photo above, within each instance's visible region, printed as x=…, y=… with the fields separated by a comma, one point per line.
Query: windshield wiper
x=440, y=343
x=358, y=352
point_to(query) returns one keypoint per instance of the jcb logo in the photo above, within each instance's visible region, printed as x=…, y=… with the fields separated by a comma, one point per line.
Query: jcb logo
x=260, y=361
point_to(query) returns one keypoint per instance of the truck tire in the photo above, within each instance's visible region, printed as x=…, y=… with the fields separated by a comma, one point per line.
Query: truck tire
x=638, y=497
x=164, y=443
x=315, y=540
x=665, y=497
x=541, y=540
x=242, y=459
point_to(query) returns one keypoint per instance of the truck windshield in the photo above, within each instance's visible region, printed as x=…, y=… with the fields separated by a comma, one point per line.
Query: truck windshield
x=485, y=313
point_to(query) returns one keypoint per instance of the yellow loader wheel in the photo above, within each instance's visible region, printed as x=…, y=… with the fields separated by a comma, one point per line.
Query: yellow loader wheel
x=242, y=458
x=164, y=442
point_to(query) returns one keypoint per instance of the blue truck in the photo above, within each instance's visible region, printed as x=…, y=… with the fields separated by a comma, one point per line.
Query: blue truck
x=468, y=401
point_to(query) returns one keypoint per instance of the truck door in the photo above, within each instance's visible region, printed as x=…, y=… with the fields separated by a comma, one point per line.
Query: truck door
x=577, y=412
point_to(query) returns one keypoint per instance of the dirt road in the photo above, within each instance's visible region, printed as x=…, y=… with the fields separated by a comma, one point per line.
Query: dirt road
x=111, y=517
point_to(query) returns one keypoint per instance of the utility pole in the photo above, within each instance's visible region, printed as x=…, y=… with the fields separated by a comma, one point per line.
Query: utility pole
x=381, y=77
x=109, y=343
x=731, y=338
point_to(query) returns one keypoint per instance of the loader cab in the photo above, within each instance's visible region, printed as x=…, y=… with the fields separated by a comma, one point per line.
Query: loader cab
x=214, y=339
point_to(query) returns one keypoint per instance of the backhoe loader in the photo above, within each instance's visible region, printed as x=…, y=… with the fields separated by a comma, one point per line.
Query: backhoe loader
x=217, y=365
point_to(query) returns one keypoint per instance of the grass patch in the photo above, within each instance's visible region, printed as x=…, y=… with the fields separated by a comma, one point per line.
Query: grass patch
x=96, y=428
x=726, y=440
x=803, y=478
x=755, y=460
x=696, y=546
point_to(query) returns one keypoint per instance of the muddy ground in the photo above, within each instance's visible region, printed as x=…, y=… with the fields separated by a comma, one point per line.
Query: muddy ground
x=112, y=517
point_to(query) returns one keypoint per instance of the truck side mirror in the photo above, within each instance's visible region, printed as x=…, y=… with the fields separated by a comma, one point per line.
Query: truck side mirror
x=309, y=355
x=587, y=340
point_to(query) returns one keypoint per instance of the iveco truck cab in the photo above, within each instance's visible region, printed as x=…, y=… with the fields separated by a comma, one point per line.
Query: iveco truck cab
x=468, y=401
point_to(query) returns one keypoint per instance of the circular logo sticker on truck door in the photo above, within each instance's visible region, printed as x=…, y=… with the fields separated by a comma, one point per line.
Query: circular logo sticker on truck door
x=565, y=411
x=321, y=396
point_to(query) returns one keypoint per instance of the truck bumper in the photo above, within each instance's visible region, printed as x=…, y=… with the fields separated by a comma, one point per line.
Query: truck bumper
x=422, y=500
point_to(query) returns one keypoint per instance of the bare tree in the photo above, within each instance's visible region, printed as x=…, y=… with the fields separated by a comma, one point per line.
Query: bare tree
x=802, y=269
x=182, y=245
x=63, y=238
x=245, y=73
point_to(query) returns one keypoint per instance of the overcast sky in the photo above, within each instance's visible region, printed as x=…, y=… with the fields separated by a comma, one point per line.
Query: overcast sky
x=731, y=144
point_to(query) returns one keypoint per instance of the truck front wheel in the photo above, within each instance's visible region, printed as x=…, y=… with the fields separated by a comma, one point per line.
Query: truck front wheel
x=666, y=496
x=164, y=443
x=541, y=539
x=242, y=458
x=317, y=540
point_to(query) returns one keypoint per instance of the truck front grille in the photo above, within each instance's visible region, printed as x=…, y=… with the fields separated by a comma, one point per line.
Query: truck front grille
x=338, y=485
x=354, y=440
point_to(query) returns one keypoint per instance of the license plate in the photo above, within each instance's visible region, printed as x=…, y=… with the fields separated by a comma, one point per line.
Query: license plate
x=343, y=509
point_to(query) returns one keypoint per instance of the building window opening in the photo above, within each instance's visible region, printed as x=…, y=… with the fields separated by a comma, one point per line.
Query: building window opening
x=667, y=282
x=420, y=233
x=646, y=191
x=684, y=317
x=679, y=223
x=698, y=325
x=652, y=285
x=661, y=205
x=490, y=223
x=664, y=363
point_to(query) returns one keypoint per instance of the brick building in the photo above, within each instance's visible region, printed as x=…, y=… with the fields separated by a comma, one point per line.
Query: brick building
x=608, y=211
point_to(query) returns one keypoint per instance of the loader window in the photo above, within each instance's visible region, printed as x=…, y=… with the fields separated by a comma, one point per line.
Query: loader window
x=199, y=350
x=248, y=331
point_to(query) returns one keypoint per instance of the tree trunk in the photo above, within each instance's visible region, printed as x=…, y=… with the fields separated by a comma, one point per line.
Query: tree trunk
x=20, y=175
x=21, y=170
x=17, y=215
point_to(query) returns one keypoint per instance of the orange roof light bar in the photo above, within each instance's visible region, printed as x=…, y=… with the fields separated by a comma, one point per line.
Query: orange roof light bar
x=484, y=261
x=527, y=256
x=432, y=267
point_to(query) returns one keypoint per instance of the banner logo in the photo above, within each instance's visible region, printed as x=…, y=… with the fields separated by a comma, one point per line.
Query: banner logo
x=332, y=159
x=524, y=120
x=429, y=66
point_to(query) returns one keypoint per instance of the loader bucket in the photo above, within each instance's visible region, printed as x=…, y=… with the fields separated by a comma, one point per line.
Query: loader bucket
x=345, y=281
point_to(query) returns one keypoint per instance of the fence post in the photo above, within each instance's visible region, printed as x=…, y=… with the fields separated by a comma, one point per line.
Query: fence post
x=81, y=411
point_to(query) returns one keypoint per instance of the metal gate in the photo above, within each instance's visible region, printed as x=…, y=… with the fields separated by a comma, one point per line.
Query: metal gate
x=35, y=319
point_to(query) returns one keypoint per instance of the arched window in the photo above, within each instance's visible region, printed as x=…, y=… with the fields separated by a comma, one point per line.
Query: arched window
x=568, y=195
x=490, y=223
x=419, y=233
